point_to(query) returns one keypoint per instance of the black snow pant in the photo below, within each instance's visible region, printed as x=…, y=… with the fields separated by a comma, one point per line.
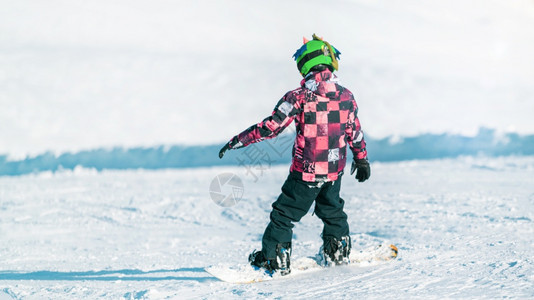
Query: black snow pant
x=294, y=202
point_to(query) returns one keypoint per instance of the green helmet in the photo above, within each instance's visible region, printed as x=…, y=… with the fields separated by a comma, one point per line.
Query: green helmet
x=316, y=52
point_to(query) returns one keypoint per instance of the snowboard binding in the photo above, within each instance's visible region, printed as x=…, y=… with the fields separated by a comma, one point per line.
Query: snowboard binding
x=281, y=264
x=336, y=252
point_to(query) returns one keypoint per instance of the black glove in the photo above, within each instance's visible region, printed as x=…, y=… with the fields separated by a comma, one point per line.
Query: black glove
x=364, y=170
x=228, y=145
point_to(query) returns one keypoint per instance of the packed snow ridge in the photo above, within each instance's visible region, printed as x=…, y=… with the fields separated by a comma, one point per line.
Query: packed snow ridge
x=271, y=152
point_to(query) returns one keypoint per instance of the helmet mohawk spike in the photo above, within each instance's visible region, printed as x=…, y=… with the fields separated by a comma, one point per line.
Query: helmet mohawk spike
x=304, y=40
x=315, y=37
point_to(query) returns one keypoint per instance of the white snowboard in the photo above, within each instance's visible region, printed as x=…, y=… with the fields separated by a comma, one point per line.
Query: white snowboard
x=245, y=273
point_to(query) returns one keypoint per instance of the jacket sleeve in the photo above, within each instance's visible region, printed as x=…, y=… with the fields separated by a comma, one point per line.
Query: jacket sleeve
x=354, y=133
x=282, y=116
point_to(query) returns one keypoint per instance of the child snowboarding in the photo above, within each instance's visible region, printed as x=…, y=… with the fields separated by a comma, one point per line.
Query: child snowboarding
x=325, y=115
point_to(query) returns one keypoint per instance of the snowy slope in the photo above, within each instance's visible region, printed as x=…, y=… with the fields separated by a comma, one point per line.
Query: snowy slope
x=78, y=75
x=464, y=228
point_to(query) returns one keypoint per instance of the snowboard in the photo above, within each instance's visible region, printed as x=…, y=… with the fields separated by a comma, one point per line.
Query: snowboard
x=245, y=273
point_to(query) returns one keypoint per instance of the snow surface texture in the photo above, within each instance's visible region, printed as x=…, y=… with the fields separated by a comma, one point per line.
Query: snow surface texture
x=464, y=228
x=79, y=75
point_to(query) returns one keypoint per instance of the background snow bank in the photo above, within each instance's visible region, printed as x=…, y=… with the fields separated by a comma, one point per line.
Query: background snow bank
x=80, y=75
x=464, y=228
x=263, y=155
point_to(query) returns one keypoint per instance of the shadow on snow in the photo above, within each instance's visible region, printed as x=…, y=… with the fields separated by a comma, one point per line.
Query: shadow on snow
x=110, y=275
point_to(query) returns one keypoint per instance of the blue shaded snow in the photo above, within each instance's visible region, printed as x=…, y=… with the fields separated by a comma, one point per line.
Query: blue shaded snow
x=271, y=152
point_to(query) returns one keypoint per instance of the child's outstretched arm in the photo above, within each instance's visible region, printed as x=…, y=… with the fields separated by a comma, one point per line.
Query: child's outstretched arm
x=282, y=116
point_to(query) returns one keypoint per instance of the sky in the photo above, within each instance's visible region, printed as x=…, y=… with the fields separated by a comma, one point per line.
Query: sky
x=77, y=75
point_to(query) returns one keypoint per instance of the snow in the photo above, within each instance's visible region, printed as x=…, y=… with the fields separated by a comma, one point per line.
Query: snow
x=126, y=76
x=78, y=75
x=463, y=226
x=270, y=152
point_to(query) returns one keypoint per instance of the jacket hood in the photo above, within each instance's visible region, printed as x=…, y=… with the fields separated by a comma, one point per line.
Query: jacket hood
x=320, y=83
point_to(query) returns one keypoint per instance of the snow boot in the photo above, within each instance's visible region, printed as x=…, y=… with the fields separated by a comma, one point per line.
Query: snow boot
x=280, y=264
x=336, y=252
x=283, y=258
x=258, y=261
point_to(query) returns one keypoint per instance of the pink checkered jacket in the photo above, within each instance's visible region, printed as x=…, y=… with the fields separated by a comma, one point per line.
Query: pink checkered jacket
x=325, y=115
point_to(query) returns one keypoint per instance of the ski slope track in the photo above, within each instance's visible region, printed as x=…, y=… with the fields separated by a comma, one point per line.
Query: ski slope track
x=464, y=228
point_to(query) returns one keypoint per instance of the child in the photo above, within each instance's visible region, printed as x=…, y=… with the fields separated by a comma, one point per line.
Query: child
x=325, y=115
